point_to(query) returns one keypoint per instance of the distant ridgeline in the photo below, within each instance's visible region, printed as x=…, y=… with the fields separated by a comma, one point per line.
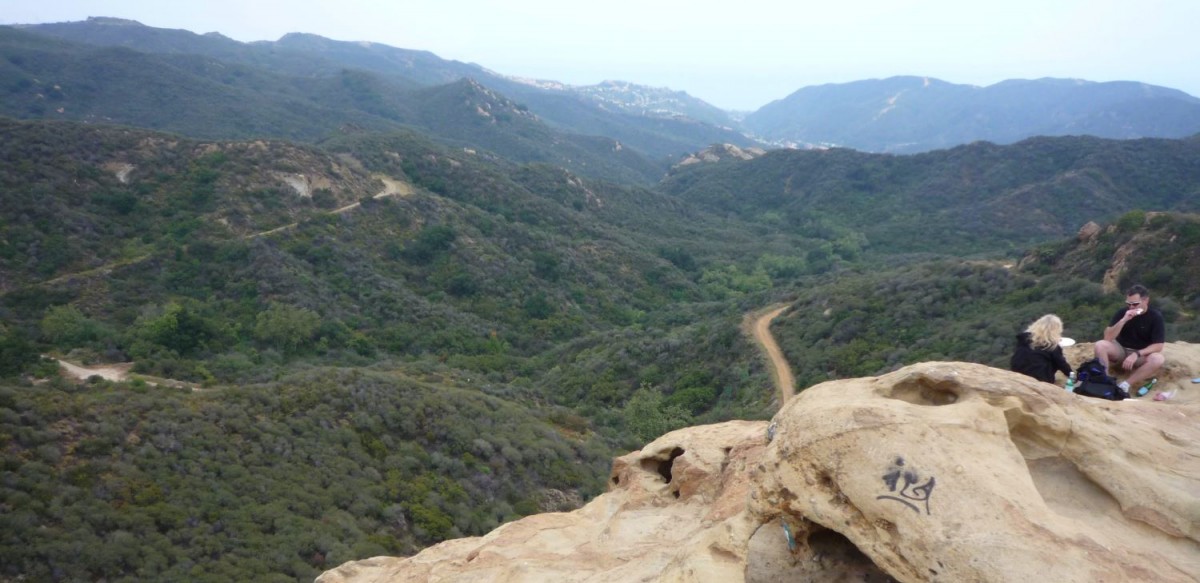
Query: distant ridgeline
x=307, y=87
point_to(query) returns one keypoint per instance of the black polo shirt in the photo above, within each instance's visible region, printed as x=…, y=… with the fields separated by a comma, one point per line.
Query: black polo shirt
x=1140, y=331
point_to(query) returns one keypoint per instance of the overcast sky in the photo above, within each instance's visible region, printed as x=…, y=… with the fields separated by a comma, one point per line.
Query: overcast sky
x=735, y=54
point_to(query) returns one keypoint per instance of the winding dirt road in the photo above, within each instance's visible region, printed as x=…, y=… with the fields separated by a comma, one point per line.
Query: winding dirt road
x=758, y=324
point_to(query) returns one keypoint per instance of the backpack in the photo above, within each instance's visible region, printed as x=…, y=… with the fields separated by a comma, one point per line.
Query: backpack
x=1091, y=381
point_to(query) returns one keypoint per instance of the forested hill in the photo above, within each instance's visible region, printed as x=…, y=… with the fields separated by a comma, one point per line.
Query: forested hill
x=398, y=342
x=379, y=245
x=307, y=87
x=970, y=198
x=868, y=321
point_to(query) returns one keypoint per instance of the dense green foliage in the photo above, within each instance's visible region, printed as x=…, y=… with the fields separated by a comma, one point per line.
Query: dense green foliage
x=383, y=375
x=267, y=482
x=864, y=324
x=1160, y=250
x=979, y=197
x=868, y=322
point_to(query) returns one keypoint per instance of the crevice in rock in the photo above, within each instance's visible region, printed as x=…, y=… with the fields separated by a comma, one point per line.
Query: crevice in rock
x=924, y=391
x=1070, y=492
x=819, y=554
x=836, y=553
x=664, y=468
x=1031, y=438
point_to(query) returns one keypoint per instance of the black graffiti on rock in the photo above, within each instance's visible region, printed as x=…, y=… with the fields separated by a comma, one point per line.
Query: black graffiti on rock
x=905, y=487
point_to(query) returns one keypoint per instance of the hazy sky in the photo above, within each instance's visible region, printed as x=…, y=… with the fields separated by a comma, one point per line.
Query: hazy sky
x=735, y=54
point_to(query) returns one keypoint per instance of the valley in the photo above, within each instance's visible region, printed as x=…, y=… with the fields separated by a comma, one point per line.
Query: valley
x=414, y=299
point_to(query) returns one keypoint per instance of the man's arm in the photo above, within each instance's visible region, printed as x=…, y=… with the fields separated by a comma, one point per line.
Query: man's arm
x=1114, y=330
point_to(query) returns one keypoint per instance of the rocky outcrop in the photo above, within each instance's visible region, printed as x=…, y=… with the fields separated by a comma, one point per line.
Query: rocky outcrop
x=721, y=153
x=942, y=471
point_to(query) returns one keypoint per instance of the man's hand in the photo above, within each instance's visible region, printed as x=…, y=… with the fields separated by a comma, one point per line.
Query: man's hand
x=1131, y=314
x=1129, y=361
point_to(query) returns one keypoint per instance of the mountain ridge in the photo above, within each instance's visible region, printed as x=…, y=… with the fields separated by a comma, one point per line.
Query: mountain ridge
x=304, y=55
x=902, y=114
x=909, y=114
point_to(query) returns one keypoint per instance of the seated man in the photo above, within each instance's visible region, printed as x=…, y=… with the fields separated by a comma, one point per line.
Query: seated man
x=1134, y=338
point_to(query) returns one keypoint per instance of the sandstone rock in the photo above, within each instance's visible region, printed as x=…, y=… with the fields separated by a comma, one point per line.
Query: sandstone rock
x=1088, y=232
x=941, y=471
x=961, y=472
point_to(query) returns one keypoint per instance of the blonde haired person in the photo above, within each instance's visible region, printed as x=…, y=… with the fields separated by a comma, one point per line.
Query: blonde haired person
x=1037, y=353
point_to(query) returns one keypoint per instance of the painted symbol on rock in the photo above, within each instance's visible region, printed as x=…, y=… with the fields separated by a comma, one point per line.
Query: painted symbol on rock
x=906, y=487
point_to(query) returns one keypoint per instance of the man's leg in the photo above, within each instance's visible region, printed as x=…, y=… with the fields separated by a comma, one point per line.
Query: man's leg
x=1109, y=353
x=1148, y=366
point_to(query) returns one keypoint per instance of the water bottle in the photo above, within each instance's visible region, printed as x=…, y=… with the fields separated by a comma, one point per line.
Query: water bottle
x=1071, y=382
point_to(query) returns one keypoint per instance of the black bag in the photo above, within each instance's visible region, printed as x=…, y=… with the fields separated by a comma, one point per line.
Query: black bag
x=1092, y=370
x=1100, y=390
x=1091, y=381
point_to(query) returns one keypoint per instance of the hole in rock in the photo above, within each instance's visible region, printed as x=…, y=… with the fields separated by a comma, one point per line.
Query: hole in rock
x=924, y=391
x=616, y=480
x=839, y=556
x=663, y=467
x=1032, y=439
x=1071, y=493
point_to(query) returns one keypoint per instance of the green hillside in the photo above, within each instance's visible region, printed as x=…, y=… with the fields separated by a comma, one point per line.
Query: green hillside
x=270, y=482
x=203, y=97
x=867, y=322
x=306, y=87
x=979, y=197
x=399, y=341
x=482, y=263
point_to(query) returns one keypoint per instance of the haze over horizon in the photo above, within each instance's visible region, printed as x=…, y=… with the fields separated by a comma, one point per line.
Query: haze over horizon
x=738, y=58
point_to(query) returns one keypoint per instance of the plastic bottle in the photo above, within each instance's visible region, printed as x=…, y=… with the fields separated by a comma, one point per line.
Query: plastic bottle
x=1071, y=383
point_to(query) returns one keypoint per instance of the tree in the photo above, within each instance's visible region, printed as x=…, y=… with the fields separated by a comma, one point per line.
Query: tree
x=67, y=325
x=429, y=243
x=286, y=326
x=647, y=417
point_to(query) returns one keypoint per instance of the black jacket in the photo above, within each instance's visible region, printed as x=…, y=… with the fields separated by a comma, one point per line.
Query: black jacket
x=1039, y=363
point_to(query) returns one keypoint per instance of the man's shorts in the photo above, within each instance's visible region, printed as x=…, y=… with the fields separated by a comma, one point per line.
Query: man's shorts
x=1140, y=359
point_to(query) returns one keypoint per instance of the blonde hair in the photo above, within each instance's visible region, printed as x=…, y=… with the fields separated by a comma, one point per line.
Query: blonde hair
x=1046, y=331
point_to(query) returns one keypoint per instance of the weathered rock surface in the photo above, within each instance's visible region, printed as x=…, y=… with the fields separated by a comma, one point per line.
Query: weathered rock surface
x=939, y=471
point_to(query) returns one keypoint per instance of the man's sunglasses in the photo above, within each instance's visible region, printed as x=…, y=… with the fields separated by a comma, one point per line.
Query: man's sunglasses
x=1133, y=304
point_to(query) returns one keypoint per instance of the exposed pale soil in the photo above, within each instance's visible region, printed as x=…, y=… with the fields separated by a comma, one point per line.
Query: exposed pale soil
x=758, y=324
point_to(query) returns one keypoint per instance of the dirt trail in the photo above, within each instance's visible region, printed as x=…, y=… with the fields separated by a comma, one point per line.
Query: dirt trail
x=117, y=373
x=111, y=372
x=758, y=324
x=391, y=187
